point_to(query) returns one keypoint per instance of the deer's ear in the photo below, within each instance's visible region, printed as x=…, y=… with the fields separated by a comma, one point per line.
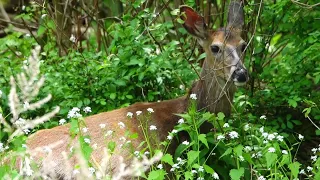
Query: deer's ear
x=235, y=16
x=193, y=22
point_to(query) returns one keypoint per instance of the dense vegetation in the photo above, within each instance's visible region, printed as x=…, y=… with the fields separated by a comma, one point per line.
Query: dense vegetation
x=138, y=51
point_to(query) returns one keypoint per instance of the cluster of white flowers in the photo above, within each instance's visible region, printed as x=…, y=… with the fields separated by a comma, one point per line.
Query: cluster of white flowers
x=170, y=136
x=85, y=129
x=226, y=125
x=301, y=137
x=272, y=150
x=74, y=113
x=233, y=135
x=138, y=113
x=177, y=165
x=193, y=96
x=263, y=117
x=62, y=121
x=215, y=176
x=121, y=125
x=221, y=137
x=87, y=140
x=160, y=166
x=87, y=109
x=136, y=153
x=102, y=126
x=185, y=143
x=246, y=127
x=109, y=133
x=150, y=110
x=270, y=137
x=129, y=114
x=153, y=128
x=261, y=178
x=181, y=121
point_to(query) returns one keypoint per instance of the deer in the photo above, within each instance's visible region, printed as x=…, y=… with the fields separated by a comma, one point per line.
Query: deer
x=222, y=71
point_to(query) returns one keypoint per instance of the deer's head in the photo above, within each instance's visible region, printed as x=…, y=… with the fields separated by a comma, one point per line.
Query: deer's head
x=224, y=47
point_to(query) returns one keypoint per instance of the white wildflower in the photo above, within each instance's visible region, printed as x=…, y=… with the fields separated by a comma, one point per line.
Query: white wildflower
x=226, y=125
x=146, y=153
x=181, y=161
x=23, y=7
x=153, y=127
x=200, y=169
x=314, y=150
x=174, y=131
x=185, y=143
x=92, y=170
x=233, y=134
x=265, y=141
x=129, y=114
x=181, y=121
x=215, y=176
x=121, y=125
x=172, y=169
x=259, y=154
x=241, y=158
x=85, y=129
x=194, y=171
x=263, y=117
x=220, y=137
x=248, y=148
x=314, y=158
x=301, y=137
x=43, y=16
x=72, y=38
x=272, y=150
x=74, y=113
x=271, y=137
x=109, y=133
x=280, y=138
x=261, y=178
x=26, y=131
x=265, y=135
x=87, y=109
x=87, y=140
x=138, y=113
x=193, y=96
x=309, y=168
x=302, y=171
x=62, y=121
x=169, y=137
x=136, y=153
x=261, y=129
x=102, y=126
x=246, y=127
x=284, y=152
x=160, y=166
x=150, y=110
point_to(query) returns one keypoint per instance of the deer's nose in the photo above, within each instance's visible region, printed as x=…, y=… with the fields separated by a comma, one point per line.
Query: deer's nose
x=240, y=75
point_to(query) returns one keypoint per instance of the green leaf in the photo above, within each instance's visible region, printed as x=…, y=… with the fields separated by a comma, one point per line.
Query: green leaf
x=112, y=96
x=167, y=158
x=202, y=138
x=294, y=167
x=317, y=132
x=289, y=125
x=41, y=30
x=208, y=169
x=235, y=174
x=188, y=175
x=292, y=103
x=111, y=146
x=227, y=152
x=238, y=150
x=192, y=156
x=271, y=158
x=221, y=116
x=157, y=175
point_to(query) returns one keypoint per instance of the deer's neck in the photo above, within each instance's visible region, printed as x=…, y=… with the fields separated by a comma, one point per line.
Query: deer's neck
x=214, y=94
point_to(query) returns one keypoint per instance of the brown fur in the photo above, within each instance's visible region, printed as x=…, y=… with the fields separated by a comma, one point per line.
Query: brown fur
x=214, y=93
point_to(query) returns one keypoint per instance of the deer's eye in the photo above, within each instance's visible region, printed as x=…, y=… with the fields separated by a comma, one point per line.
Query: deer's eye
x=215, y=48
x=243, y=47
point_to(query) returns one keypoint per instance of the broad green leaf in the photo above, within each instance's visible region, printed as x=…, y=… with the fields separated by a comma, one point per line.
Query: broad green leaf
x=294, y=167
x=111, y=146
x=236, y=174
x=227, y=152
x=192, y=156
x=157, y=175
x=238, y=150
x=188, y=175
x=221, y=116
x=167, y=158
x=202, y=138
x=208, y=169
x=292, y=103
x=271, y=158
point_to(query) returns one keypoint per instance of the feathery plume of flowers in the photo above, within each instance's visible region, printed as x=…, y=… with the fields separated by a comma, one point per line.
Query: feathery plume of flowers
x=22, y=100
